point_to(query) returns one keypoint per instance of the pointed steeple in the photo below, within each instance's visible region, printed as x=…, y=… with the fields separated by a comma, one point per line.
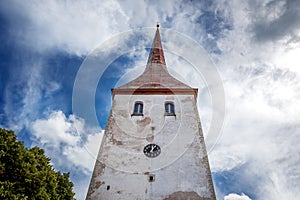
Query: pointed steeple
x=155, y=78
x=156, y=54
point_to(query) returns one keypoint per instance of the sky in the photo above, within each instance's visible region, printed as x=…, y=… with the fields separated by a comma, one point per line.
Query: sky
x=50, y=99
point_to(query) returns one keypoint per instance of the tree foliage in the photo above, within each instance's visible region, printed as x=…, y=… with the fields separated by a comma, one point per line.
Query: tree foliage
x=27, y=173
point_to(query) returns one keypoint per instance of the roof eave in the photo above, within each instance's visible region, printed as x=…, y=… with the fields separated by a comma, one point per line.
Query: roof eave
x=153, y=91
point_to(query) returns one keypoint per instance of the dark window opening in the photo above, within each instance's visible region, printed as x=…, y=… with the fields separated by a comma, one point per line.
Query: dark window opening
x=108, y=187
x=151, y=178
x=169, y=108
x=138, y=108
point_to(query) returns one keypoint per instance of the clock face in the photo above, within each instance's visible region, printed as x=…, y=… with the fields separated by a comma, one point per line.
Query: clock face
x=152, y=150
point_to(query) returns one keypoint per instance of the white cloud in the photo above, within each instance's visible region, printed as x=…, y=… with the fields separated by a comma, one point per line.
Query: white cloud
x=233, y=196
x=28, y=87
x=78, y=27
x=85, y=156
x=77, y=142
x=262, y=87
x=276, y=20
x=57, y=129
x=70, y=144
x=74, y=26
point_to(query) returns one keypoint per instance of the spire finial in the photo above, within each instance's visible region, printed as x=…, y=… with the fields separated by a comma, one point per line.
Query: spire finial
x=157, y=24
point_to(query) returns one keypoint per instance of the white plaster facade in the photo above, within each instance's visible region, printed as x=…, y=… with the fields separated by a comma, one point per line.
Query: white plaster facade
x=122, y=170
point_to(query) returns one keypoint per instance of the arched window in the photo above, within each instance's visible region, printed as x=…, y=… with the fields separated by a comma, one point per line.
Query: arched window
x=138, y=108
x=169, y=108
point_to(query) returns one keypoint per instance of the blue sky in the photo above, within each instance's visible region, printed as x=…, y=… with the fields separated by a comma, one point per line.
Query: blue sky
x=254, y=45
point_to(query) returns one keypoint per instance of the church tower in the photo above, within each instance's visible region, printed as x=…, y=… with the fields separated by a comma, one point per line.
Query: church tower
x=153, y=147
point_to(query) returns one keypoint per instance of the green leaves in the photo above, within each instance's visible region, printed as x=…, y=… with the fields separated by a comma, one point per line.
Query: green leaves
x=28, y=174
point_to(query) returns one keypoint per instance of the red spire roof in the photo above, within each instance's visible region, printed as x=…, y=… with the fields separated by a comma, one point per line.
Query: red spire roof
x=156, y=54
x=156, y=77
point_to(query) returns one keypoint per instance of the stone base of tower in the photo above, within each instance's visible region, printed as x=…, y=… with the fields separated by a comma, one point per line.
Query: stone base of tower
x=186, y=195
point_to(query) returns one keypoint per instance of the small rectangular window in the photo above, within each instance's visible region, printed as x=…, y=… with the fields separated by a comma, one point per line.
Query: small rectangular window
x=169, y=108
x=138, y=108
x=151, y=178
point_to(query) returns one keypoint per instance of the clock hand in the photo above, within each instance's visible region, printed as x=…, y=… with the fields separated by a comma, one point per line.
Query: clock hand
x=152, y=148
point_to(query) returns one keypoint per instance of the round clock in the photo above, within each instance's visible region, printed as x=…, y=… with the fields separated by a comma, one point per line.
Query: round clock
x=151, y=150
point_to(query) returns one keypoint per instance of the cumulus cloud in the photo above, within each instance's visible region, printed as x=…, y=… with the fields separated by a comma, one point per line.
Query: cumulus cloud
x=78, y=27
x=57, y=129
x=75, y=141
x=262, y=118
x=84, y=156
x=71, y=145
x=233, y=196
x=73, y=26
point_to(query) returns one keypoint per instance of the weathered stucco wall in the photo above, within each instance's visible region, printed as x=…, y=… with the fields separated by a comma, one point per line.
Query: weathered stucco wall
x=181, y=171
